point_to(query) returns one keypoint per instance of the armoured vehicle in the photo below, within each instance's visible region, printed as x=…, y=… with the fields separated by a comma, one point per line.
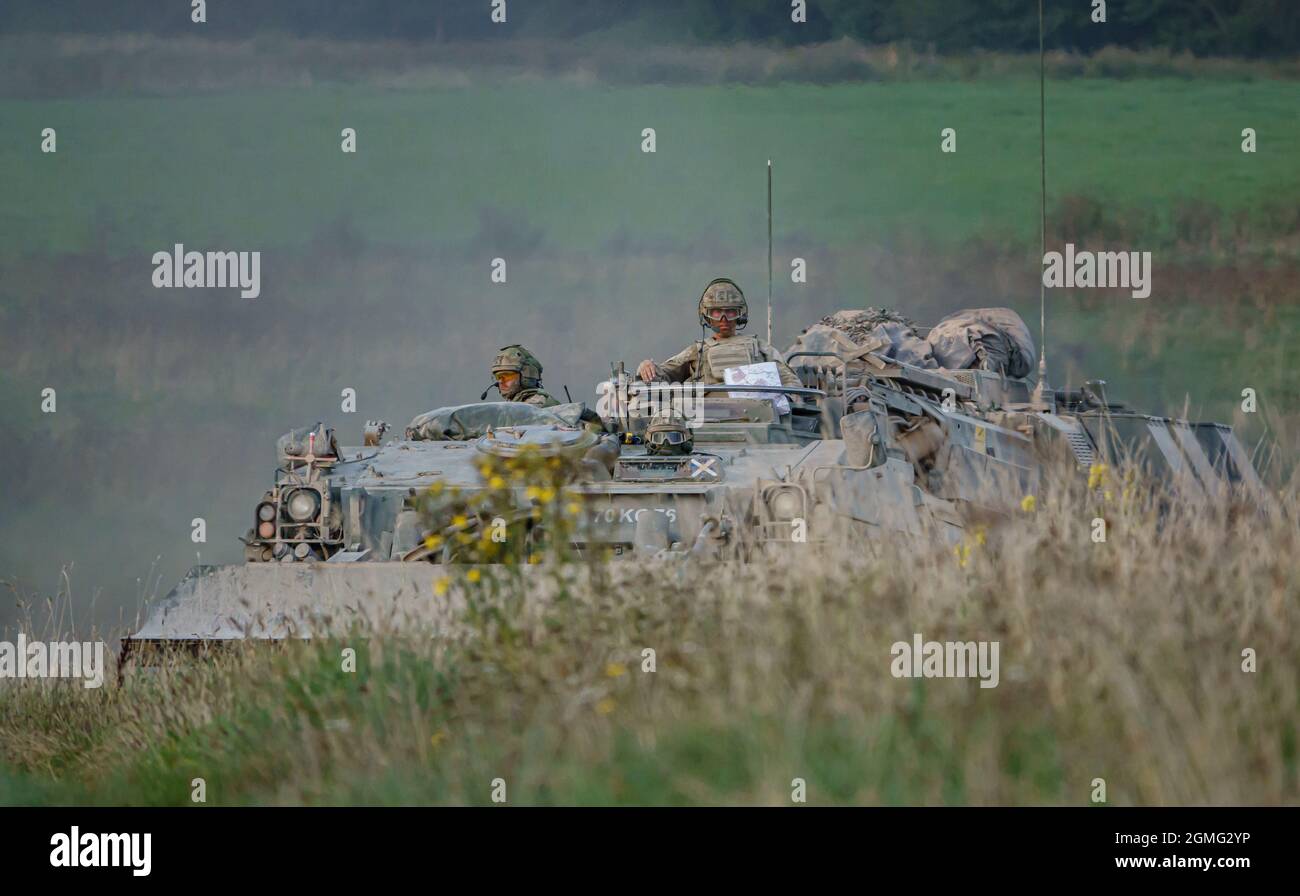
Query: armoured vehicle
x=881, y=437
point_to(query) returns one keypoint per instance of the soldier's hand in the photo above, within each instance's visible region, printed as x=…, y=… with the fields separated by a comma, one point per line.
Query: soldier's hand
x=647, y=370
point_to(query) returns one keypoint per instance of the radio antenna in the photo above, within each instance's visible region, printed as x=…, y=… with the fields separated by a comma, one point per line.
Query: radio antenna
x=769, y=251
x=1042, y=174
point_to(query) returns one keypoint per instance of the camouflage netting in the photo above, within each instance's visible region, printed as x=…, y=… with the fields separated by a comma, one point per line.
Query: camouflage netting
x=458, y=423
x=988, y=338
x=850, y=333
x=857, y=325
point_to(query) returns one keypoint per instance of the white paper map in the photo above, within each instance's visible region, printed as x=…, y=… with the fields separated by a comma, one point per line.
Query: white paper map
x=762, y=374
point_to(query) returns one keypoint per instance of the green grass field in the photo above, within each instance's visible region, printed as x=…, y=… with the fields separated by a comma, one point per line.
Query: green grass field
x=853, y=163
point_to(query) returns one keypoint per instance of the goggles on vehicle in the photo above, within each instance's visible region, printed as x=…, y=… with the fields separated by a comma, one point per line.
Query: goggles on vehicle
x=667, y=437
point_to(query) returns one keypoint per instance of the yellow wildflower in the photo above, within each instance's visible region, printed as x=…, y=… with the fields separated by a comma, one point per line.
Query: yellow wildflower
x=963, y=554
x=473, y=575
x=606, y=706
x=441, y=585
x=1029, y=504
x=1096, y=475
x=614, y=670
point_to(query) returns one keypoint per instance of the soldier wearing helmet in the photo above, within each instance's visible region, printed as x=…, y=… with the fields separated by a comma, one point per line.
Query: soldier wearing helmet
x=518, y=376
x=668, y=434
x=722, y=309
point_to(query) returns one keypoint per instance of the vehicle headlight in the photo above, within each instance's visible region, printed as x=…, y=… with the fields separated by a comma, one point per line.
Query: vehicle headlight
x=303, y=505
x=785, y=503
x=266, y=511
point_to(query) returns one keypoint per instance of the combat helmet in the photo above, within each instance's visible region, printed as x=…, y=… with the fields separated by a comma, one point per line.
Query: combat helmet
x=668, y=434
x=520, y=360
x=723, y=293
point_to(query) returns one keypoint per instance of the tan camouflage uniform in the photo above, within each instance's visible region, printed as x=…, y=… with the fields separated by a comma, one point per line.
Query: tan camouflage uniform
x=536, y=397
x=720, y=354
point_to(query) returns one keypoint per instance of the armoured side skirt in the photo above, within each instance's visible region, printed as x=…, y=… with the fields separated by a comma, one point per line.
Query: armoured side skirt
x=277, y=601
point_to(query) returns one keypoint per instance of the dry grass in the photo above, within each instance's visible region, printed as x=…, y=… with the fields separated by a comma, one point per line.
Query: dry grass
x=1120, y=660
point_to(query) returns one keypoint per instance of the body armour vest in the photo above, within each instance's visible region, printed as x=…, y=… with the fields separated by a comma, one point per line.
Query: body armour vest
x=723, y=353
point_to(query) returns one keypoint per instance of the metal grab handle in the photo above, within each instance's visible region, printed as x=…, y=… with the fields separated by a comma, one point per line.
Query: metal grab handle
x=843, y=372
x=738, y=387
x=633, y=386
x=834, y=355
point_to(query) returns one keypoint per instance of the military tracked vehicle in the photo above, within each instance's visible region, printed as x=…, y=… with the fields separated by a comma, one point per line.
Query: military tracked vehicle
x=881, y=437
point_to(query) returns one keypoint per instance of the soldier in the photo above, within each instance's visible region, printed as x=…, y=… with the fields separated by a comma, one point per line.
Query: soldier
x=518, y=377
x=722, y=309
